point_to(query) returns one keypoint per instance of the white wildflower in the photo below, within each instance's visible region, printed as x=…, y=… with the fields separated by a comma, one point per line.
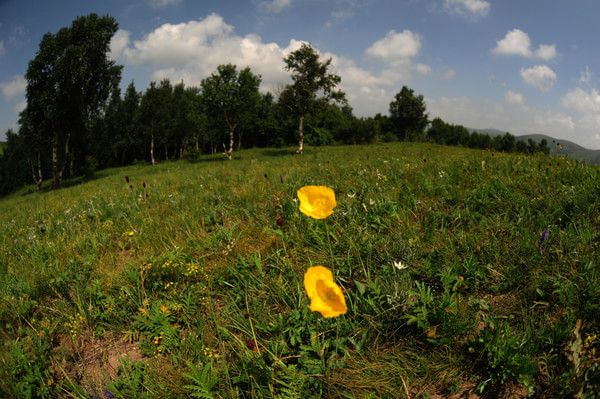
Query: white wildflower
x=399, y=265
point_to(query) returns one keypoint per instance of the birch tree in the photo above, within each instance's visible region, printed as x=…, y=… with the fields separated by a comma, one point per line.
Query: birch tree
x=69, y=81
x=312, y=80
x=230, y=99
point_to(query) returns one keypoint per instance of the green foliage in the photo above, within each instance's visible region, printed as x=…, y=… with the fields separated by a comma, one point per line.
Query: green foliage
x=505, y=356
x=202, y=381
x=437, y=251
x=408, y=114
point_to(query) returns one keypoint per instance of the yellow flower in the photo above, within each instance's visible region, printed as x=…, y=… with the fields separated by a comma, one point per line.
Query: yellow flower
x=316, y=201
x=325, y=295
x=130, y=233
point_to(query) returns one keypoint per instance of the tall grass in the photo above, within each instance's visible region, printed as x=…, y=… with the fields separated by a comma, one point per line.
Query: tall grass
x=185, y=279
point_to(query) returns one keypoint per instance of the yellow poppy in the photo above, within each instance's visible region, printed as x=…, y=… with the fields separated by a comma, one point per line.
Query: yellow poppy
x=325, y=295
x=316, y=201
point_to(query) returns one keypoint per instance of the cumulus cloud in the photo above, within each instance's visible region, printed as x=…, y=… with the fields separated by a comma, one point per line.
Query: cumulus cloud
x=163, y=3
x=517, y=42
x=423, y=69
x=473, y=8
x=539, y=76
x=118, y=44
x=275, y=6
x=548, y=120
x=20, y=106
x=514, y=98
x=582, y=101
x=546, y=52
x=13, y=88
x=192, y=50
x=396, y=46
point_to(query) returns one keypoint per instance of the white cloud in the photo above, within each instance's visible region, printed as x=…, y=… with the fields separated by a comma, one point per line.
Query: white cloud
x=553, y=120
x=474, y=8
x=514, y=98
x=13, y=88
x=539, y=76
x=396, y=46
x=546, y=52
x=450, y=74
x=517, y=42
x=342, y=14
x=20, y=106
x=118, y=44
x=582, y=101
x=191, y=51
x=275, y=6
x=423, y=69
x=163, y=3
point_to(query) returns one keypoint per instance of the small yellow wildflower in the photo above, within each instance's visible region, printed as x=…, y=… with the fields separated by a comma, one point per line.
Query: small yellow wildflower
x=164, y=309
x=130, y=233
x=325, y=295
x=316, y=201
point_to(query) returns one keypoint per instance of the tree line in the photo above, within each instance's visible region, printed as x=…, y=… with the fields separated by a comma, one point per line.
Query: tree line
x=77, y=120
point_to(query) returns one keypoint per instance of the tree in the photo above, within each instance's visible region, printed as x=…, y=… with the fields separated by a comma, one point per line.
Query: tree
x=310, y=77
x=129, y=142
x=230, y=99
x=69, y=81
x=155, y=114
x=407, y=113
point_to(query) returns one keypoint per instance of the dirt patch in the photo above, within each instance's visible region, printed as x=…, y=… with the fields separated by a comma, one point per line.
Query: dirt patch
x=97, y=361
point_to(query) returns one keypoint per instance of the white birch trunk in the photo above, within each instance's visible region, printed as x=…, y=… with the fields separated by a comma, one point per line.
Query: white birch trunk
x=300, y=149
x=152, y=149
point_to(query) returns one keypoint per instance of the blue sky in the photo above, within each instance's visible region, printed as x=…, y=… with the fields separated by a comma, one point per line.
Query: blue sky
x=524, y=66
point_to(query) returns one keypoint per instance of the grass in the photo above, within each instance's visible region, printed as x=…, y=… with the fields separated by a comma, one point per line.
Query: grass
x=186, y=282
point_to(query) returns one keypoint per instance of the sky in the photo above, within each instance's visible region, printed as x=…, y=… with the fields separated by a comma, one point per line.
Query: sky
x=523, y=66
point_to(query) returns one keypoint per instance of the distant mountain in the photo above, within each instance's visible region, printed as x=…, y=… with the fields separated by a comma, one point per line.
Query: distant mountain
x=489, y=132
x=557, y=146
x=567, y=148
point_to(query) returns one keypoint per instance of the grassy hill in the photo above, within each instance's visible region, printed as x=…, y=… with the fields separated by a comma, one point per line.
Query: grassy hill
x=185, y=280
x=557, y=146
x=567, y=148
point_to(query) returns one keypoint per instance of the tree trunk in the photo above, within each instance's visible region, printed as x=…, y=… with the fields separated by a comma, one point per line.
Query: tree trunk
x=56, y=168
x=40, y=176
x=67, y=155
x=152, y=149
x=197, y=145
x=166, y=153
x=71, y=164
x=300, y=149
x=229, y=151
x=37, y=175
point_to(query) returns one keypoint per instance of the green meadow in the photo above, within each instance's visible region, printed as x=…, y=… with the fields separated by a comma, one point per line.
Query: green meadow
x=185, y=280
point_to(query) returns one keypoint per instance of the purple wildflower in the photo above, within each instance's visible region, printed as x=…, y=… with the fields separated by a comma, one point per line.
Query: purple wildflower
x=108, y=394
x=544, y=237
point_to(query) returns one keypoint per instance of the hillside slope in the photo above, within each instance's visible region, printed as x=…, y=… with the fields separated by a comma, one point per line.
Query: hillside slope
x=187, y=279
x=557, y=146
